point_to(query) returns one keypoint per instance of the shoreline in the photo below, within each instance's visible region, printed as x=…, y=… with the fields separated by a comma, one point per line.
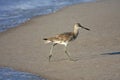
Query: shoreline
x=2, y=29
x=23, y=48
x=49, y=14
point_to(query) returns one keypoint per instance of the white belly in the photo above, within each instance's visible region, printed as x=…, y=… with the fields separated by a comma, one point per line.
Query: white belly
x=61, y=42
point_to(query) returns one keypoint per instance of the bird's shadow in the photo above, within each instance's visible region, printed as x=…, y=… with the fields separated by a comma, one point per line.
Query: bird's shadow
x=65, y=59
x=112, y=53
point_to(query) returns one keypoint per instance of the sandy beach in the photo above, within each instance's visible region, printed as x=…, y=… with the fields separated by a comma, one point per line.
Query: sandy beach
x=97, y=51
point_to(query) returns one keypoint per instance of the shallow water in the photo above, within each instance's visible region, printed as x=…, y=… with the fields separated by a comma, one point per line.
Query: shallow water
x=11, y=74
x=15, y=12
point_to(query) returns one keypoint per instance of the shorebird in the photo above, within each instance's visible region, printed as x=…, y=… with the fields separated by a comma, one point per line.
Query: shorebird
x=64, y=39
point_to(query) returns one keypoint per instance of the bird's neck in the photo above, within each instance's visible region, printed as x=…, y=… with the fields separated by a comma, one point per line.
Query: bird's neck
x=76, y=32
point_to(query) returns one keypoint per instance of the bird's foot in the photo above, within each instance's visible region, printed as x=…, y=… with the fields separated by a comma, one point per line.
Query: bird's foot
x=71, y=59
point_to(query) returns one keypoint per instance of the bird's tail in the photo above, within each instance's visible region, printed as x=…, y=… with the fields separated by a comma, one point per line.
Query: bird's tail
x=46, y=40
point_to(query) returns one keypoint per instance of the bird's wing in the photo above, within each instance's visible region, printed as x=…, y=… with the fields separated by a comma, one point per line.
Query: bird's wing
x=67, y=36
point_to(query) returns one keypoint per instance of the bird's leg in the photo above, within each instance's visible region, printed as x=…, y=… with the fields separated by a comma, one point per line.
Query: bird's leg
x=68, y=54
x=51, y=51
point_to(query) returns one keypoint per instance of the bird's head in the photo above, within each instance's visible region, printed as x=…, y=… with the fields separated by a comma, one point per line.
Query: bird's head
x=78, y=25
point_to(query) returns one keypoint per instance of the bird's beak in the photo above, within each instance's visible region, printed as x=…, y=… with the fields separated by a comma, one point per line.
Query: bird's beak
x=85, y=28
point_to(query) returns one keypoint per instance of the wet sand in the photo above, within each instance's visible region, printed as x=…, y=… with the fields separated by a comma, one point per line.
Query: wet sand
x=97, y=51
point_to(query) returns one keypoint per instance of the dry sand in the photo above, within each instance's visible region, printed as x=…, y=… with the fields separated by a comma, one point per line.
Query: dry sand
x=97, y=51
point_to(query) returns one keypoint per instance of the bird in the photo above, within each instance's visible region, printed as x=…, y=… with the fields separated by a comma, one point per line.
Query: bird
x=64, y=39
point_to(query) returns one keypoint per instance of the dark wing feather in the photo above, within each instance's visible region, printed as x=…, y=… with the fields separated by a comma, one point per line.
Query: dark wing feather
x=67, y=36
